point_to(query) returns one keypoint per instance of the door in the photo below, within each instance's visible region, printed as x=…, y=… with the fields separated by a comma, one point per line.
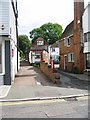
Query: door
x=65, y=62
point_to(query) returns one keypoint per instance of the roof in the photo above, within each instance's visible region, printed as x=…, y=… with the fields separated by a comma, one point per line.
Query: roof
x=40, y=39
x=69, y=30
x=54, y=45
x=37, y=48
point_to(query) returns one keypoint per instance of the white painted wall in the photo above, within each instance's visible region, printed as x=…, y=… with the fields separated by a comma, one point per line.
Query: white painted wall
x=56, y=51
x=86, y=27
x=4, y=16
x=12, y=25
x=86, y=19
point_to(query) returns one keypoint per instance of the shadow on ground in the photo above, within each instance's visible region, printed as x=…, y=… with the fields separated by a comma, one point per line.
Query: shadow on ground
x=66, y=81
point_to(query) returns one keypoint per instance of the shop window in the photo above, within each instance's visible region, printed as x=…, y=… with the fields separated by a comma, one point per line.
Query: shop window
x=85, y=37
x=89, y=37
x=88, y=61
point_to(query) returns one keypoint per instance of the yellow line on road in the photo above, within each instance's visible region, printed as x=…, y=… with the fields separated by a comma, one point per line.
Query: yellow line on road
x=82, y=98
x=39, y=101
x=31, y=102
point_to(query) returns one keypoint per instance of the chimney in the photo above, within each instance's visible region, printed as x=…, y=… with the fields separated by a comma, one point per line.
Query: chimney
x=78, y=12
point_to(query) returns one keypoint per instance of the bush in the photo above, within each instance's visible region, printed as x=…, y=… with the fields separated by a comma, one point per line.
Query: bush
x=76, y=70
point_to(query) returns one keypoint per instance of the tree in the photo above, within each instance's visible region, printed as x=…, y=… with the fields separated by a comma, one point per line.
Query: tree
x=24, y=44
x=50, y=32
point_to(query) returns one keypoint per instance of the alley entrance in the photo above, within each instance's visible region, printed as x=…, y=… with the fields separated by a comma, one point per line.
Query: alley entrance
x=31, y=83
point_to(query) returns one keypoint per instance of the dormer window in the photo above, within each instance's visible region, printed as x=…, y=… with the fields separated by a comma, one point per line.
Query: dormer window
x=40, y=42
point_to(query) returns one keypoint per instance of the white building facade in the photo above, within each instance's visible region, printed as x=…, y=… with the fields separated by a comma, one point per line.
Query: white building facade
x=54, y=54
x=8, y=41
x=86, y=35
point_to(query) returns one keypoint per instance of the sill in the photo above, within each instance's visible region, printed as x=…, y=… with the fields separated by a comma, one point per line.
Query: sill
x=68, y=45
x=2, y=74
x=71, y=62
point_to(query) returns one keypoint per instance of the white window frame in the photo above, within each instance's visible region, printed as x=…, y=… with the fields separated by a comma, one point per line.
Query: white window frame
x=40, y=42
x=66, y=41
x=69, y=57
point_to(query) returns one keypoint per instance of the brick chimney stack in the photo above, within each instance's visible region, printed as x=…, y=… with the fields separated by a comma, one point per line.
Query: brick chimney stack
x=78, y=12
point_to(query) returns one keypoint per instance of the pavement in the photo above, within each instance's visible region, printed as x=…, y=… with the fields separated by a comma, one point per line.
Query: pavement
x=31, y=84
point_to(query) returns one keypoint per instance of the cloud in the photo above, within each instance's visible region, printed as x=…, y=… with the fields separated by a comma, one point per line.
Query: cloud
x=34, y=13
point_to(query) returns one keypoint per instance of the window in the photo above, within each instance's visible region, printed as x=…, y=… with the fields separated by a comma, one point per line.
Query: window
x=0, y=58
x=88, y=61
x=85, y=37
x=40, y=42
x=89, y=37
x=70, y=57
x=53, y=49
x=67, y=41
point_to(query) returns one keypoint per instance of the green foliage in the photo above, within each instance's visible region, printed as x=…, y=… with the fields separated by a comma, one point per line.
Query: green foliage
x=21, y=54
x=24, y=44
x=49, y=32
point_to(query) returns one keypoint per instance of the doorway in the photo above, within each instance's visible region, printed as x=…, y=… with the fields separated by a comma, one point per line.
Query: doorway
x=65, y=62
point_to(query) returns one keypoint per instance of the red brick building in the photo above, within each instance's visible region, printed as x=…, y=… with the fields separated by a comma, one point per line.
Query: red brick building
x=35, y=51
x=71, y=42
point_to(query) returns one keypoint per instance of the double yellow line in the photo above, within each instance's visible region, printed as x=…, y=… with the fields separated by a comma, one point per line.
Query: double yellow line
x=39, y=101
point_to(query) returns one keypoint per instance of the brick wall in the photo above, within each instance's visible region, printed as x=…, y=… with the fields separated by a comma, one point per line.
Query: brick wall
x=79, y=56
x=46, y=69
x=64, y=50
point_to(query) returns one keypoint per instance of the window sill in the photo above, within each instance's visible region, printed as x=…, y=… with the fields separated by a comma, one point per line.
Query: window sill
x=71, y=61
x=2, y=74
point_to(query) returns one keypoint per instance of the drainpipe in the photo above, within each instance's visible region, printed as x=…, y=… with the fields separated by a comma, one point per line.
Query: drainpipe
x=17, y=34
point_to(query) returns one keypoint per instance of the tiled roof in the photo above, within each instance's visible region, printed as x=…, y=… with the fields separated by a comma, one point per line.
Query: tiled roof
x=68, y=31
x=40, y=39
x=36, y=47
x=54, y=45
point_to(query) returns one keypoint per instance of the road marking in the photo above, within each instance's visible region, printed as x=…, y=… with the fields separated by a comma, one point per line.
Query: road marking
x=82, y=98
x=39, y=101
x=31, y=102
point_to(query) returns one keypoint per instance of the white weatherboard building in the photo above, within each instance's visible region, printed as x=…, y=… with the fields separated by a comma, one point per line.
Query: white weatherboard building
x=86, y=35
x=54, y=54
x=9, y=64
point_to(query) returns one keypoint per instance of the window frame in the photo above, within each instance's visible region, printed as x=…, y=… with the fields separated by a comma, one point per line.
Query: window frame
x=67, y=41
x=40, y=43
x=71, y=57
x=87, y=60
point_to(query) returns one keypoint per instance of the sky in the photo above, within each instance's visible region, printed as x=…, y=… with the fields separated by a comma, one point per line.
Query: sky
x=34, y=13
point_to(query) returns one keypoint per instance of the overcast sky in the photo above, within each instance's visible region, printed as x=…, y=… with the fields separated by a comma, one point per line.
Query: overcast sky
x=34, y=13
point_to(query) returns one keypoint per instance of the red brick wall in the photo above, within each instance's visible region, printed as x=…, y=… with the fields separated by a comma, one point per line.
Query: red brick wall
x=47, y=71
x=75, y=45
x=79, y=56
x=64, y=50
